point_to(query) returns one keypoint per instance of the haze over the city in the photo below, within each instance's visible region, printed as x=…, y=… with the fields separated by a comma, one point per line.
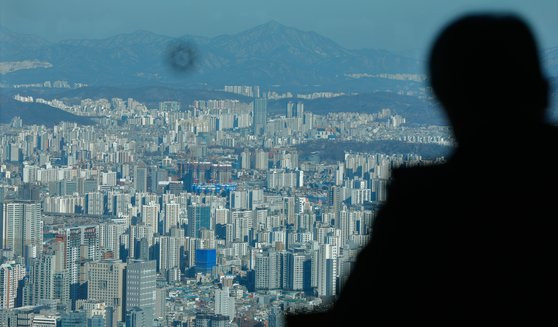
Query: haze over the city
x=403, y=26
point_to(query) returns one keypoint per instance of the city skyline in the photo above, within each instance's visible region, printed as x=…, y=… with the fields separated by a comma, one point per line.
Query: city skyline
x=231, y=180
x=189, y=213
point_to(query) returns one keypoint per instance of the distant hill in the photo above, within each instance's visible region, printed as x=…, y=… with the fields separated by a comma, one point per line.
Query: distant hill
x=266, y=55
x=36, y=113
x=148, y=95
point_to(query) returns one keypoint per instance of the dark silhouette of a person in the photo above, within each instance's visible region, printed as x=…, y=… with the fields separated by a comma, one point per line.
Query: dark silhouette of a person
x=474, y=240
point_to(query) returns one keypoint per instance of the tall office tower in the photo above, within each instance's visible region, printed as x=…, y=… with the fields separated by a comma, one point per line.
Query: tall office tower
x=42, y=278
x=199, y=216
x=106, y=283
x=259, y=116
x=140, y=178
x=150, y=215
x=172, y=215
x=261, y=160
x=271, y=270
x=224, y=303
x=21, y=228
x=327, y=270
x=141, y=289
x=10, y=275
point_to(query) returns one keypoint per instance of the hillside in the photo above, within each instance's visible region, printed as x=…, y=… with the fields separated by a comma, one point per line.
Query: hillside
x=36, y=113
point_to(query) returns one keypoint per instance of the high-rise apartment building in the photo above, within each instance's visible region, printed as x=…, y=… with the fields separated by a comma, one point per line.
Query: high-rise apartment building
x=172, y=216
x=224, y=303
x=295, y=271
x=95, y=203
x=42, y=278
x=261, y=160
x=150, y=215
x=10, y=275
x=327, y=270
x=169, y=252
x=271, y=270
x=22, y=228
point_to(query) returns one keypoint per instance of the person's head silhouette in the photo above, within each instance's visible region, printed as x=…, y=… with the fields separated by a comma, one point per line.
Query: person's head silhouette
x=485, y=71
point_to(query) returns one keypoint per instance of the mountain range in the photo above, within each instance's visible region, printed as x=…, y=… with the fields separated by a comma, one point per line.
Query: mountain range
x=269, y=54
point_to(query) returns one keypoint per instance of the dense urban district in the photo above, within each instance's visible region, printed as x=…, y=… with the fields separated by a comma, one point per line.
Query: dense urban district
x=189, y=214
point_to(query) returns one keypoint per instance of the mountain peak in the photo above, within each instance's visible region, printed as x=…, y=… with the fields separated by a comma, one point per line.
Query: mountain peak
x=271, y=26
x=143, y=33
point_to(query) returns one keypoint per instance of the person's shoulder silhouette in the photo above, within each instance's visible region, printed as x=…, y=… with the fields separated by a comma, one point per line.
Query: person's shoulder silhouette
x=471, y=240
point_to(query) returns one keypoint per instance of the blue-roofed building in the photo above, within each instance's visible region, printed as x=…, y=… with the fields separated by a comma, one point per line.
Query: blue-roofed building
x=206, y=259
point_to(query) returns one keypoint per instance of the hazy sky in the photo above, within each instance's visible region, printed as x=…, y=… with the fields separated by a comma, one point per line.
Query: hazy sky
x=397, y=25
